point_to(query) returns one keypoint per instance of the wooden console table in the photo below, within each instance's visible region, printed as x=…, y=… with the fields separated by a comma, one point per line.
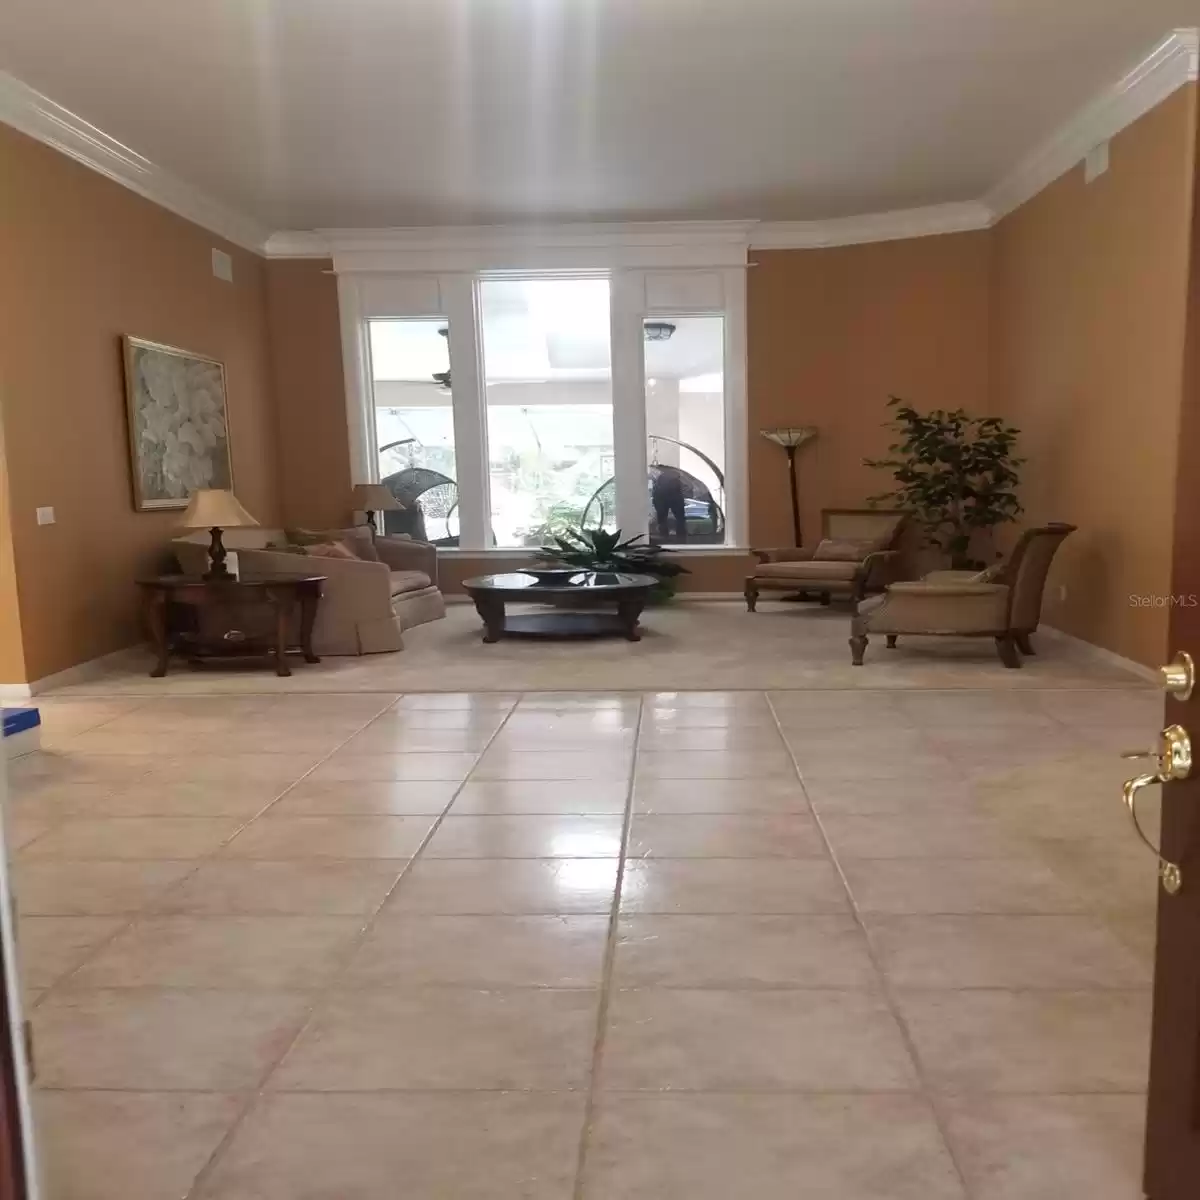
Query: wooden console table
x=188, y=616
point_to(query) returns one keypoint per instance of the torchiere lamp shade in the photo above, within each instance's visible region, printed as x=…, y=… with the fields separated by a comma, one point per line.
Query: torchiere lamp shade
x=790, y=435
x=791, y=438
x=216, y=509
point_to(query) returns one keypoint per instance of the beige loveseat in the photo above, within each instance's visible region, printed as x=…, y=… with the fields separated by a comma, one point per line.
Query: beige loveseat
x=365, y=606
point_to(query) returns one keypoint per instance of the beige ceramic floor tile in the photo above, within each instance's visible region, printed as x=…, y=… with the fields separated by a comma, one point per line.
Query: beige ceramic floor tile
x=722, y=738
x=236, y=952
x=554, y=764
x=471, y=719
x=721, y=885
x=753, y=1041
x=712, y=1147
x=20, y=831
x=135, y=838
x=50, y=947
x=164, y=1138
x=273, y=837
x=310, y=887
x=1048, y=1147
x=675, y=796
x=157, y=797
x=666, y=717
x=575, y=702
x=464, y=1146
x=721, y=835
x=698, y=699
x=350, y=767
x=958, y=885
x=152, y=1039
x=562, y=736
x=456, y=701
x=445, y=1038
x=890, y=797
x=715, y=764
x=532, y=885
x=919, y=835
x=1003, y=1041
x=366, y=798
x=526, y=837
x=275, y=768
x=1003, y=952
x=741, y=952
x=480, y=952
x=392, y=737
x=54, y=888
x=513, y=797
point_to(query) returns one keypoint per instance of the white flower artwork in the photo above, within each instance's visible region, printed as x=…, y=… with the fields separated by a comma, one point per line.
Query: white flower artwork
x=178, y=429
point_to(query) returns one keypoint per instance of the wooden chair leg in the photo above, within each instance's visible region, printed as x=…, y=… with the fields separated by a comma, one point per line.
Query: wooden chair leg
x=1006, y=647
x=751, y=595
x=1024, y=644
x=891, y=641
x=858, y=647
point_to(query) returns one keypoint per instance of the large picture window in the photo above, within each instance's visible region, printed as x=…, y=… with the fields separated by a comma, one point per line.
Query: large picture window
x=503, y=406
x=548, y=386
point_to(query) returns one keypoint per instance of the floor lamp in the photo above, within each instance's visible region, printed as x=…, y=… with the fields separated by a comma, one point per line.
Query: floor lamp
x=791, y=439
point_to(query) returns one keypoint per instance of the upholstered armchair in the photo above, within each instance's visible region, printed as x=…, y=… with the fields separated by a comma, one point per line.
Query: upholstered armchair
x=1003, y=602
x=856, y=556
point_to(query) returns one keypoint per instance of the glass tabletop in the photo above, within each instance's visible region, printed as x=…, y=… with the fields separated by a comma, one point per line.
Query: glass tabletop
x=582, y=581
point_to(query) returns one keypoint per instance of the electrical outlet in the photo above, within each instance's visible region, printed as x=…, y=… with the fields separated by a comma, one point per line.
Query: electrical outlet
x=45, y=516
x=1062, y=593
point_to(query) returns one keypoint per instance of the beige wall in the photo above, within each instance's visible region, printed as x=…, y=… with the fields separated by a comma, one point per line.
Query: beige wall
x=84, y=261
x=1088, y=318
x=831, y=334
x=306, y=356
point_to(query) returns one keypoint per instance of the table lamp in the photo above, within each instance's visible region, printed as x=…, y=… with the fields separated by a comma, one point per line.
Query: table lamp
x=216, y=509
x=791, y=438
x=372, y=498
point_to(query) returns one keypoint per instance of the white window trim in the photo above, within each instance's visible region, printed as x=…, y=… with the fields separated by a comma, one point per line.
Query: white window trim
x=435, y=273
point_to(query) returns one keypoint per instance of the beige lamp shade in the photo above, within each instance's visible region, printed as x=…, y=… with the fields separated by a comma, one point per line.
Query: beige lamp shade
x=375, y=497
x=215, y=508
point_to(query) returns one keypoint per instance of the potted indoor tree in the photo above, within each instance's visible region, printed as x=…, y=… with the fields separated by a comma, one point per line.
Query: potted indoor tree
x=956, y=473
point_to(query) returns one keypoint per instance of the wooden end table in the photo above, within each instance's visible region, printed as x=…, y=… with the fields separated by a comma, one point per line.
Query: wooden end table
x=168, y=600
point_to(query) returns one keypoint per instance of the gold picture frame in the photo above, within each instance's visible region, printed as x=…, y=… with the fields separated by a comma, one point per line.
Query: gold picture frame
x=176, y=406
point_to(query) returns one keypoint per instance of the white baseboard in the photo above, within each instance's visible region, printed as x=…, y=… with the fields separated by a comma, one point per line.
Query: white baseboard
x=14, y=693
x=1099, y=654
x=82, y=672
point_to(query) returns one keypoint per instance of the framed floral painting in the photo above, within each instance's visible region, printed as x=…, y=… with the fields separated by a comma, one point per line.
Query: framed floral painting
x=178, y=426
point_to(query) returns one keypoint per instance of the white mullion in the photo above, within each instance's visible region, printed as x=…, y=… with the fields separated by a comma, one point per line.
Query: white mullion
x=360, y=394
x=627, y=302
x=737, y=474
x=470, y=413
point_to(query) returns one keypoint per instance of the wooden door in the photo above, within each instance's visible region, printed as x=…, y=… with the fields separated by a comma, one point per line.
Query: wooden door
x=1173, y=1113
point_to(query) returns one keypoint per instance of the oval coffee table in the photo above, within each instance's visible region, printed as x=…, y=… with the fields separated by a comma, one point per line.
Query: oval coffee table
x=592, y=604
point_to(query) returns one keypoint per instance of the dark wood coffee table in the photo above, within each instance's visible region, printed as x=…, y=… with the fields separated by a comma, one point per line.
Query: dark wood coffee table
x=592, y=604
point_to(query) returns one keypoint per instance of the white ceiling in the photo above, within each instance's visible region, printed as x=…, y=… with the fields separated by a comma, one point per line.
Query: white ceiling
x=342, y=113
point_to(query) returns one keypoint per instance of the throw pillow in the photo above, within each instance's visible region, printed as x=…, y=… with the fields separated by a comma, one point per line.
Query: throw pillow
x=844, y=549
x=330, y=550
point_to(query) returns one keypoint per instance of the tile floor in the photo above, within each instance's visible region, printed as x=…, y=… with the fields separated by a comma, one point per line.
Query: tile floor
x=839, y=945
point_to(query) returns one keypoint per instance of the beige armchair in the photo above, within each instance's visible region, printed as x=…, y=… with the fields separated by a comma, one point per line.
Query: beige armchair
x=365, y=606
x=1003, y=603
x=856, y=555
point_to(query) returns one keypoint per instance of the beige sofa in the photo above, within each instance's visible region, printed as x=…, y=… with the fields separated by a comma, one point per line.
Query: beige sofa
x=365, y=606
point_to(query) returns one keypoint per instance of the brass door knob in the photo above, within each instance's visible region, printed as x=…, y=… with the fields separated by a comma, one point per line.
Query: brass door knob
x=1178, y=677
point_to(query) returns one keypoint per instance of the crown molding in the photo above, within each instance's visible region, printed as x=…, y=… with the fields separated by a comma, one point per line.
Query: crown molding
x=40, y=118
x=1174, y=62
x=516, y=247
x=871, y=227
